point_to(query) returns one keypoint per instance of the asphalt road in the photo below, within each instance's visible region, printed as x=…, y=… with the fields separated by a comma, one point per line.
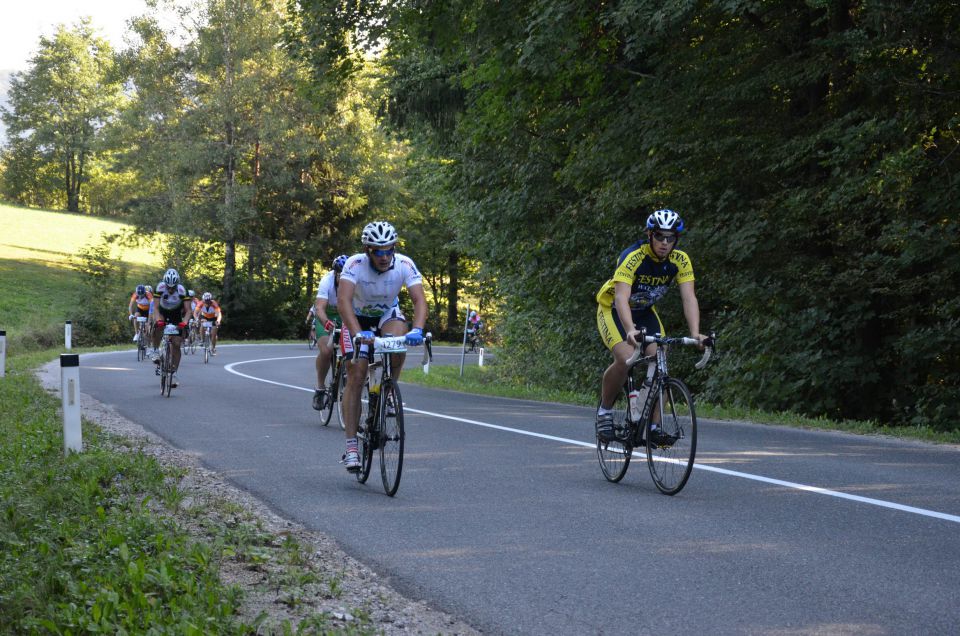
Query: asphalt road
x=504, y=519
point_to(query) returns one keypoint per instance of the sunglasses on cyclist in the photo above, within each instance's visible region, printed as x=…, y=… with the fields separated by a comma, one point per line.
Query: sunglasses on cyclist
x=386, y=252
x=669, y=239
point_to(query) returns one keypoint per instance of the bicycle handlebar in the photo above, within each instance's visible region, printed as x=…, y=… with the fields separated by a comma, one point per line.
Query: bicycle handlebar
x=708, y=344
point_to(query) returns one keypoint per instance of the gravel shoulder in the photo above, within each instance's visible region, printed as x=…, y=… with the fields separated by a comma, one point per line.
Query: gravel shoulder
x=296, y=586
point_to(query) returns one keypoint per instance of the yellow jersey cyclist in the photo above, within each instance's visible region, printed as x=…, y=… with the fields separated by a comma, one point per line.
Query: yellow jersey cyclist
x=326, y=318
x=171, y=305
x=369, y=306
x=626, y=302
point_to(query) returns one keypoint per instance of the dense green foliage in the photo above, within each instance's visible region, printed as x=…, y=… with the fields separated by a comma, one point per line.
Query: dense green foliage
x=56, y=117
x=811, y=147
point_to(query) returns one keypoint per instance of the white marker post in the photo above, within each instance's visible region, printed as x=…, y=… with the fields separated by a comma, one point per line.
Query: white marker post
x=3, y=353
x=481, y=356
x=70, y=397
x=68, y=334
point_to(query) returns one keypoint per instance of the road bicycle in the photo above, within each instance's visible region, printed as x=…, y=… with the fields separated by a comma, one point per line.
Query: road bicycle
x=473, y=343
x=142, y=337
x=206, y=325
x=337, y=380
x=165, y=370
x=192, y=338
x=381, y=414
x=656, y=413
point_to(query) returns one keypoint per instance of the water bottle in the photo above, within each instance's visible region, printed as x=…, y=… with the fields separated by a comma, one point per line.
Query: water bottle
x=647, y=383
x=636, y=404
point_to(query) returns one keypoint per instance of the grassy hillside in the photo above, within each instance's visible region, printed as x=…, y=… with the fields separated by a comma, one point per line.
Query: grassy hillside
x=39, y=284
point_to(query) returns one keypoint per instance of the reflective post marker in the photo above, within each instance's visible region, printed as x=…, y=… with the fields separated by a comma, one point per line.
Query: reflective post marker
x=481, y=356
x=3, y=353
x=70, y=397
x=68, y=334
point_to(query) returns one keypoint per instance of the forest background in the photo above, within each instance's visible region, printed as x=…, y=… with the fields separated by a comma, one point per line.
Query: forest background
x=518, y=147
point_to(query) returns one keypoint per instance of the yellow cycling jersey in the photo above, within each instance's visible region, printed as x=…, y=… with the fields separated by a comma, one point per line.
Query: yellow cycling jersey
x=648, y=277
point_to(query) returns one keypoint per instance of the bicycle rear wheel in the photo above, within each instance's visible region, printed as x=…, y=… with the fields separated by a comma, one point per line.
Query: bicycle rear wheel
x=331, y=388
x=671, y=452
x=391, y=437
x=614, y=455
x=366, y=433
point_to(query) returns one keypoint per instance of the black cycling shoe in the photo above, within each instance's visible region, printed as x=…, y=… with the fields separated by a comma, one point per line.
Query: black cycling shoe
x=605, y=432
x=319, y=399
x=659, y=439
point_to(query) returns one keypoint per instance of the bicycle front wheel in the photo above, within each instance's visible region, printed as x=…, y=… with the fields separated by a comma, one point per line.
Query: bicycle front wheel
x=167, y=371
x=339, y=388
x=614, y=455
x=672, y=445
x=391, y=437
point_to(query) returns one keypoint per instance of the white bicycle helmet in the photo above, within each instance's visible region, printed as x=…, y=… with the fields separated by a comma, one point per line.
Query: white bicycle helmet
x=190, y=293
x=665, y=220
x=379, y=234
x=207, y=296
x=171, y=278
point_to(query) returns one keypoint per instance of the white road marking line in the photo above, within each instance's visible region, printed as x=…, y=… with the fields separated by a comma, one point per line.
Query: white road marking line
x=723, y=471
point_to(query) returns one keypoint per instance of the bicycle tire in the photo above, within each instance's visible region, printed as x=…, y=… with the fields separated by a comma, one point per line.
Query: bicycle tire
x=206, y=347
x=614, y=455
x=391, y=437
x=331, y=389
x=671, y=462
x=340, y=388
x=365, y=433
x=167, y=370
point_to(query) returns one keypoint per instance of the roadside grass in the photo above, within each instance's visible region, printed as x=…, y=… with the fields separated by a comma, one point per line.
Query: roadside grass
x=490, y=380
x=98, y=541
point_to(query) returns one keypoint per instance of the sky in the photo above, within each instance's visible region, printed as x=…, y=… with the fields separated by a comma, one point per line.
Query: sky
x=24, y=21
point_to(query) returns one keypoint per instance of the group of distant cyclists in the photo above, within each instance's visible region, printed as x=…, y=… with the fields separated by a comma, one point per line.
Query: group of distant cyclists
x=360, y=296
x=172, y=303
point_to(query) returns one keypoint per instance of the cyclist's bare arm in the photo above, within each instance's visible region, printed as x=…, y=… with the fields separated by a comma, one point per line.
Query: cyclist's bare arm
x=345, y=300
x=691, y=310
x=419, y=306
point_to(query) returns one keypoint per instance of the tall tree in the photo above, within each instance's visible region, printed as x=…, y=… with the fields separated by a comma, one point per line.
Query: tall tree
x=58, y=109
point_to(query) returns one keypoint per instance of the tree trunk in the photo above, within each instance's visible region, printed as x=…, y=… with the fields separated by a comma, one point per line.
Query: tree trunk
x=453, y=267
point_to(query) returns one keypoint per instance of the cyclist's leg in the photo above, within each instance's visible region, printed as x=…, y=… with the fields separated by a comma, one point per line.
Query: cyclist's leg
x=356, y=369
x=394, y=323
x=213, y=337
x=614, y=337
x=175, y=342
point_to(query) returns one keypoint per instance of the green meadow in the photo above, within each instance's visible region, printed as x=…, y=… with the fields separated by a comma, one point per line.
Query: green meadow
x=40, y=286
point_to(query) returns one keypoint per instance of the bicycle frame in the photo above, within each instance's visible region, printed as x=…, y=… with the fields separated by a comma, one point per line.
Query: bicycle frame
x=657, y=378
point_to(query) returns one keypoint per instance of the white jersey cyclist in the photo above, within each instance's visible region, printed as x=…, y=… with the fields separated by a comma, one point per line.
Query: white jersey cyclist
x=375, y=294
x=328, y=289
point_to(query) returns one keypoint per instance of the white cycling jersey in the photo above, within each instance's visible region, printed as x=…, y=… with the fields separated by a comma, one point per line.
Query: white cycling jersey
x=169, y=298
x=376, y=292
x=328, y=289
